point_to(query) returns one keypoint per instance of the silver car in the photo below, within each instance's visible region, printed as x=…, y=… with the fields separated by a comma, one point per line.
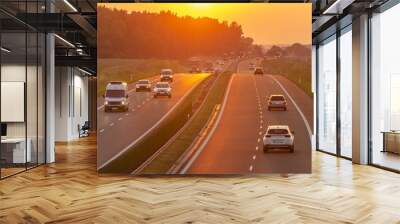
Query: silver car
x=277, y=137
x=277, y=102
x=162, y=89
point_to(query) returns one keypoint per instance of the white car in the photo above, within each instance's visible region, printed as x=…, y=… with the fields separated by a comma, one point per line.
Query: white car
x=277, y=137
x=162, y=89
x=143, y=85
x=277, y=102
x=166, y=75
x=116, y=96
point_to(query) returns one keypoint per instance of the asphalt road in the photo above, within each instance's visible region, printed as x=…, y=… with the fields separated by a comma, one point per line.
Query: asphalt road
x=116, y=130
x=236, y=145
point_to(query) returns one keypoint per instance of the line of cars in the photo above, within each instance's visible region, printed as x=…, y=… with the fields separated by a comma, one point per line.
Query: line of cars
x=276, y=136
x=116, y=96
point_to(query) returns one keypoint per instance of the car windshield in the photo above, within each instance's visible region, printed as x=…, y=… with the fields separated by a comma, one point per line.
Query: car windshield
x=277, y=98
x=143, y=82
x=115, y=93
x=278, y=131
x=162, y=85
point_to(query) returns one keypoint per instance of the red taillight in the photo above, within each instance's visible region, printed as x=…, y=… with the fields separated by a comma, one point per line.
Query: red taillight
x=287, y=136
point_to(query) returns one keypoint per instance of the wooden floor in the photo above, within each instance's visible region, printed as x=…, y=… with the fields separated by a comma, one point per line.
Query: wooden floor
x=70, y=191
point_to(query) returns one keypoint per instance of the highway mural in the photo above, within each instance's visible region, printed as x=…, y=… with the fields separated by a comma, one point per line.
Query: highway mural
x=204, y=88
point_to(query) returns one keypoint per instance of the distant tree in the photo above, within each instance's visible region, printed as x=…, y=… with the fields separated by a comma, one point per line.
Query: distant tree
x=297, y=50
x=165, y=35
x=274, y=51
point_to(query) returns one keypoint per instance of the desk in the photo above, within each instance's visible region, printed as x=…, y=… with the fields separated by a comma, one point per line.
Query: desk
x=13, y=150
x=391, y=141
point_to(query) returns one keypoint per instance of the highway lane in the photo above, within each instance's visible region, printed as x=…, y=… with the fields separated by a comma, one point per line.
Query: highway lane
x=117, y=130
x=236, y=145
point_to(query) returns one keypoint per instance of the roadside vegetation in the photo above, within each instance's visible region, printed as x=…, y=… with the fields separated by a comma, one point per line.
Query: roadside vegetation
x=293, y=62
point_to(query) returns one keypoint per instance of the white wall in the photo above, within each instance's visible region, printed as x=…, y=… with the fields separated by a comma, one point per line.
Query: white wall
x=71, y=93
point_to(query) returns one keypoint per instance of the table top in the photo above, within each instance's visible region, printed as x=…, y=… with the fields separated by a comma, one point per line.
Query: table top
x=13, y=140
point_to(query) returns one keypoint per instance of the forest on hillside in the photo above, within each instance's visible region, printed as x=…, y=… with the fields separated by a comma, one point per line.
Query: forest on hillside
x=165, y=35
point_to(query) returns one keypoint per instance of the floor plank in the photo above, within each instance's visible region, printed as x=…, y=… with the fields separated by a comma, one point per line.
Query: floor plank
x=71, y=191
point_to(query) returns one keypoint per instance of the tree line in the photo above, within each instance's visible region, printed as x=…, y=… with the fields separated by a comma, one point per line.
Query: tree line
x=165, y=35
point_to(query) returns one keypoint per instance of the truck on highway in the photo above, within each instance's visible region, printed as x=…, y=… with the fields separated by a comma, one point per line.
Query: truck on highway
x=116, y=97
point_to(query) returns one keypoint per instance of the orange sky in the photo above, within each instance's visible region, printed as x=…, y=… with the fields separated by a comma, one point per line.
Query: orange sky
x=266, y=23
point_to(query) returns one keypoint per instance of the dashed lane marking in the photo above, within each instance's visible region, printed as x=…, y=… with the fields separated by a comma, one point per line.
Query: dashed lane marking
x=111, y=124
x=254, y=157
x=251, y=168
x=120, y=118
x=101, y=130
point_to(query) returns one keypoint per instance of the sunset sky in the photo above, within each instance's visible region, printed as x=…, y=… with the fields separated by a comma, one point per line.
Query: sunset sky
x=266, y=23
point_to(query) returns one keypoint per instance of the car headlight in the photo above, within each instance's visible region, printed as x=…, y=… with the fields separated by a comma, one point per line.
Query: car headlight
x=123, y=102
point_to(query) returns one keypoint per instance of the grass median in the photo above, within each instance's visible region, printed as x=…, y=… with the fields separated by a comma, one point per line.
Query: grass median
x=162, y=163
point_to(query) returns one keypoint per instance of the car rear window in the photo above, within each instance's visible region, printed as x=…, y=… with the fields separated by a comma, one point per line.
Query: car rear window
x=115, y=93
x=277, y=98
x=278, y=132
x=162, y=85
x=143, y=82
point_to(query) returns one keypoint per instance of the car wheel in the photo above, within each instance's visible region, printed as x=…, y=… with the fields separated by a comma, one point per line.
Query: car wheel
x=269, y=108
x=154, y=96
x=291, y=148
x=169, y=96
x=265, y=149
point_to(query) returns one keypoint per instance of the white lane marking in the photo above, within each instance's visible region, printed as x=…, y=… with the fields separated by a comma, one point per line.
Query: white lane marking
x=111, y=124
x=120, y=118
x=259, y=133
x=254, y=157
x=261, y=126
x=258, y=140
x=101, y=130
x=133, y=110
x=143, y=102
x=126, y=114
x=205, y=142
x=251, y=168
x=261, y=121
x=138, y=106
x=297, y=107
x=150, y=129
x=256, y=148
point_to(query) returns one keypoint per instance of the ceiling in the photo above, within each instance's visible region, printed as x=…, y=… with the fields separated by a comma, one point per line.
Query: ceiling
x=75, y=22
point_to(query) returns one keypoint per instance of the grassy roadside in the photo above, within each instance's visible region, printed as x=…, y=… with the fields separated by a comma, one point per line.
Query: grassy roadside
x=140, y=152
x=173, y=152
x=296, y=70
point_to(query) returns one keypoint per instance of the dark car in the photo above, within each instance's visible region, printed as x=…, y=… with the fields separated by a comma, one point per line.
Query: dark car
x=258, y=71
